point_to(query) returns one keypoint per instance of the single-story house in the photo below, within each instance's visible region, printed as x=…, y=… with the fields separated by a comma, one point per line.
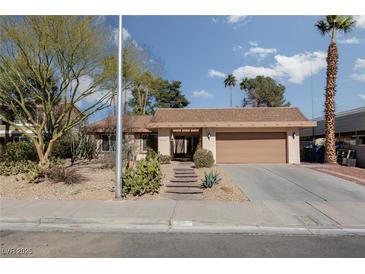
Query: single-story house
x=233, y=135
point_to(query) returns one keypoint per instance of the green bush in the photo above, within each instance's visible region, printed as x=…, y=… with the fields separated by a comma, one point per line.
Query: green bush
x=63, y=148
x=85, y=147
x=20, y=151
x=144, y=178
x=164, y=159
x=14, y=168
x=210, y=179
x=203, y=158
x=151, y=154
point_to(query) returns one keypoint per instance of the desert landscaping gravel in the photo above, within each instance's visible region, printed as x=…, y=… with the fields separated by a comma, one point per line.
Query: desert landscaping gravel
x=98, y=184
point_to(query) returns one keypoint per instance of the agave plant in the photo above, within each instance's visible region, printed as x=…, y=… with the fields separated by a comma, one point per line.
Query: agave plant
x=210, y=179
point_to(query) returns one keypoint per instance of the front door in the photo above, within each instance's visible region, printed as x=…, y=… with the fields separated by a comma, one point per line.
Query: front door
x=185, y=146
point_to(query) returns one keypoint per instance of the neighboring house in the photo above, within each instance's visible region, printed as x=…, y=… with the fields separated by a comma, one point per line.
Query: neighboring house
x=349, y=128
x=234, y=135
x=10, y=134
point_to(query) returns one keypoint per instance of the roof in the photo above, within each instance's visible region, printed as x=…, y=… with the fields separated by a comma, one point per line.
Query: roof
x=230, y=117
x=131, y=123
x=346, y=121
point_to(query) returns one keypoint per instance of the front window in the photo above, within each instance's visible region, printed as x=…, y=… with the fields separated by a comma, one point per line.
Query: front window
x=107, y=142
x=149, y=141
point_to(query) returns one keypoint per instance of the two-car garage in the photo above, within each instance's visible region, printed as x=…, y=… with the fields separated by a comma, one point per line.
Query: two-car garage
x=251, y=147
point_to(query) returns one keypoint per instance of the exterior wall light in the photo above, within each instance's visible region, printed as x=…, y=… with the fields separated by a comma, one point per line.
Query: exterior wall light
x=208, y=135
x=293, y=135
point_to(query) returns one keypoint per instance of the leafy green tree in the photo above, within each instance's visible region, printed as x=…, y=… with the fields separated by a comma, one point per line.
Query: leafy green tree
x=169, y=95
x=43, y=62
x=263, y=92
x=331, y=25
x=230, y=82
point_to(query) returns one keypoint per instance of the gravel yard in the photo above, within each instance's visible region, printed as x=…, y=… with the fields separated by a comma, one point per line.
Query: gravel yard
x=98, y=184
x=354, y=174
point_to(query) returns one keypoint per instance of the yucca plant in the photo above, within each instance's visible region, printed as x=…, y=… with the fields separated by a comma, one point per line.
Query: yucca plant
x=210, y=179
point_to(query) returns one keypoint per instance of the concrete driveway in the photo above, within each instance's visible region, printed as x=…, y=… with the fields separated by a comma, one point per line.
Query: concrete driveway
x=278, y=182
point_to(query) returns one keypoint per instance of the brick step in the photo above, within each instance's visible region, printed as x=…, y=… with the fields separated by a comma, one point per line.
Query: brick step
x=174, y=196
x=183, y=184
x=184, y=180
x=185, y=175
x=184, y=190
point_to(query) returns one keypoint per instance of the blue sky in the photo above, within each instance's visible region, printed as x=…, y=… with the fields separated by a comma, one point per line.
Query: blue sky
x=200, y=50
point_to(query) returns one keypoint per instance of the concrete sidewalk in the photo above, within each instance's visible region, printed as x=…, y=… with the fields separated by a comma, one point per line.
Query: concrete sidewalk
x=259, y=217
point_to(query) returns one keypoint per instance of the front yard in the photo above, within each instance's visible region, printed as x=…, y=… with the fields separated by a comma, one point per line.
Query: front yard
x=98, y=184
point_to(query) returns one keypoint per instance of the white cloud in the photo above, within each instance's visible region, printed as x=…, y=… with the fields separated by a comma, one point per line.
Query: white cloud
x=234, y=19
x=359, y=63
x=215, y=20
x=293, y=68
x=253, y=43
x=352, y=40
x=259, y=52
x=358, y=76
x=360, y=21
x=126, y=35
x=237, y=48
x=359, y=66
x=216, y=74
x=362, y=96
x=202, y=94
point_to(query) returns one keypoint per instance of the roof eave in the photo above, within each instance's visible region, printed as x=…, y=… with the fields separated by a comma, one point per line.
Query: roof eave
x=298, y=124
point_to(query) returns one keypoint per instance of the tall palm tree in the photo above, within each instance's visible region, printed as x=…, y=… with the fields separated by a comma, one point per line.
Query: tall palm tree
x=230, y=82
x=331, y=25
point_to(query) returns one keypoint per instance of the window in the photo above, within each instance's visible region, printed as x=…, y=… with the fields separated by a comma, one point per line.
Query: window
x=107, y=142
x=149, y=141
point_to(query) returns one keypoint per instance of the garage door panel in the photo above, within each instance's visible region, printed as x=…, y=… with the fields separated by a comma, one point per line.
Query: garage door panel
x=255, y=147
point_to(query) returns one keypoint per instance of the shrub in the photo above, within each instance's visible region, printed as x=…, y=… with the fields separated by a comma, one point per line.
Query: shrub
x=14, y=168
x=58, y=174
x=63, y=147
x=164, y=159
x=20, y=151
x=203, y=158
x=151, y=154
x=84, y=146
x=210, y=179
x=144, y=178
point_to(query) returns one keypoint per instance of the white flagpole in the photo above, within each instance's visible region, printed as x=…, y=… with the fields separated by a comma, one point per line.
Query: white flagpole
x=119, y=137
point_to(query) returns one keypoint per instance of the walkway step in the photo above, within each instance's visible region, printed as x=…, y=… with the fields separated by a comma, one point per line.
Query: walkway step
x=183, y=180
x=184, y=168
x=184, y=172
x=183, y=196
x=184, y=190
x=185, y=175
x=184, y=184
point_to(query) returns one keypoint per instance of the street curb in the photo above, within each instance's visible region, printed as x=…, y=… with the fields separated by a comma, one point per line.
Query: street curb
x=159, y=226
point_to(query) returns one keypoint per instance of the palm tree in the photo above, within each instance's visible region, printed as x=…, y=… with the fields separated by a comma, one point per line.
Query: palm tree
x=330, y=25
x=230, y=82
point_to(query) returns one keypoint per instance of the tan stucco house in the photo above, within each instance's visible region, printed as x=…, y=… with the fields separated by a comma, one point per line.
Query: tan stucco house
x=234, y=135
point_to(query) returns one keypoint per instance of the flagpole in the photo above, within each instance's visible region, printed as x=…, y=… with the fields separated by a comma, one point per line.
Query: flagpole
x=119, y=136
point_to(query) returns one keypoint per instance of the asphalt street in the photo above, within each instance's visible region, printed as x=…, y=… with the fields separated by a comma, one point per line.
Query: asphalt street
x=76, y=244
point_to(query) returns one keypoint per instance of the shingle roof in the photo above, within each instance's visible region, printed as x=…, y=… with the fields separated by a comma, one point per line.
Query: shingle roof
x=131, y=123
x=232, y=117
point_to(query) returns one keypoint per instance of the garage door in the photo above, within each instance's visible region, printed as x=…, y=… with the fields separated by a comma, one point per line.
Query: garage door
x=251, y=147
